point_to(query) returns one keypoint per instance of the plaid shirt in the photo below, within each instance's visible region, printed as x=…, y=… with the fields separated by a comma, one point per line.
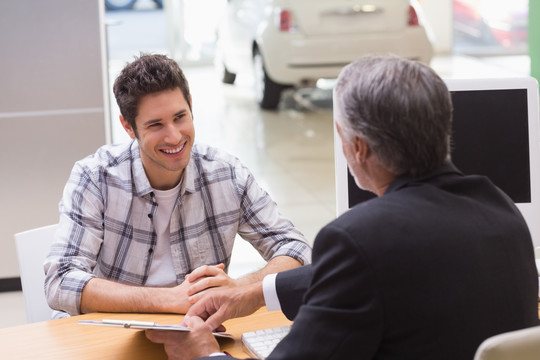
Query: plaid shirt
x=99, y=233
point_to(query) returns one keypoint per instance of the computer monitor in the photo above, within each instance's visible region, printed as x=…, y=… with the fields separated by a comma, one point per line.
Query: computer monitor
x=495, y=133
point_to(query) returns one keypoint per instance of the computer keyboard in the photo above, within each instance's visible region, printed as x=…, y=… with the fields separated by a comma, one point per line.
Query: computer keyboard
x=260, y=343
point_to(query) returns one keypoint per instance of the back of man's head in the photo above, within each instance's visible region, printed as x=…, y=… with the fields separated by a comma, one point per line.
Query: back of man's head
x=401, y=108
x=150, y=73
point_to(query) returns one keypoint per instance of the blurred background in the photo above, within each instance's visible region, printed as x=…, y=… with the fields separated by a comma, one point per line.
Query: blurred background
x=61, y=57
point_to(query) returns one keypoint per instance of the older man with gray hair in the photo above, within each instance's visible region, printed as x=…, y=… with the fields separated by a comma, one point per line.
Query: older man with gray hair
x=428, y=269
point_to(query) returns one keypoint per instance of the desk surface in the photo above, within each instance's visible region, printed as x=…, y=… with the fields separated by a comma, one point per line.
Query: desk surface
x=66, y=339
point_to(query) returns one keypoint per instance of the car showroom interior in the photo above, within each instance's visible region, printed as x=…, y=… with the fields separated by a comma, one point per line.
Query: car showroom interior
x=261, y=77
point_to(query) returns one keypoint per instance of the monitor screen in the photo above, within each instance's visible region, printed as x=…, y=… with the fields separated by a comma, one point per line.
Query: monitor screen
x=494, y=133
x=491, y=137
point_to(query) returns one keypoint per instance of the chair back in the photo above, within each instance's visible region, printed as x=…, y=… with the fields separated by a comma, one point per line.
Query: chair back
x=32, y=249
x=515, y=345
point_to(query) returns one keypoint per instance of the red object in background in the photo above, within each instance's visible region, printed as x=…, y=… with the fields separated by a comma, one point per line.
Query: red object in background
x=500, y=22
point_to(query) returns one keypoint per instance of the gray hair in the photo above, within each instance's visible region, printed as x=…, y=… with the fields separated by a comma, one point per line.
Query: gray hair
x=401, y=108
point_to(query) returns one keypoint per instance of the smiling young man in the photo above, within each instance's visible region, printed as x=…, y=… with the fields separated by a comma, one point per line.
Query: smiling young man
x=145, y=225
x=165, y=133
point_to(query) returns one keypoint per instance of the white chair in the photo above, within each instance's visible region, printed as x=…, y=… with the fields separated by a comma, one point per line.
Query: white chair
x=515, y=345
x=32, y=248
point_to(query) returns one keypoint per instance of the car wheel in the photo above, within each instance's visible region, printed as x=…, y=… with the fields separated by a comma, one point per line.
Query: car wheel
x=159, y=3
x=267, y=92
x=228, y=77
x=119, y=4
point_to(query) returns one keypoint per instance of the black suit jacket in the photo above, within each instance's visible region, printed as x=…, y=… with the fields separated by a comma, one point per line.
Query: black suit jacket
x=427, y=271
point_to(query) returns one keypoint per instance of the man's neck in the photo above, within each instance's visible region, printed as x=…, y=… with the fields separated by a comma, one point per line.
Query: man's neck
x=381, y=178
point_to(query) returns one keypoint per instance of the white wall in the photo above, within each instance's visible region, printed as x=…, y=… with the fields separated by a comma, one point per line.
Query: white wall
x=53, y=107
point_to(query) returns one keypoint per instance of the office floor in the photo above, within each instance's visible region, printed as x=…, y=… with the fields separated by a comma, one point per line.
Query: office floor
x=290, y=151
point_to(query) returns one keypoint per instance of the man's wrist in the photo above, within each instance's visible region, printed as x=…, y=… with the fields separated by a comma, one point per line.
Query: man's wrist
x=171, y=300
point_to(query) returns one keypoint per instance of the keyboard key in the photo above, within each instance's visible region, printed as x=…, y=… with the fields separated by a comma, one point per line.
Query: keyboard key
x=260, y=343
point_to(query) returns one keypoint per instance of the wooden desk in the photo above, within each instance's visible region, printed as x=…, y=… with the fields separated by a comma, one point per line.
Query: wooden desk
x=66, y=339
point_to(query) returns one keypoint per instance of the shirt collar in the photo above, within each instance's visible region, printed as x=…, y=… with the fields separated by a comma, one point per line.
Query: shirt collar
x=405, y=180
x=190, y=173
x=141, y=182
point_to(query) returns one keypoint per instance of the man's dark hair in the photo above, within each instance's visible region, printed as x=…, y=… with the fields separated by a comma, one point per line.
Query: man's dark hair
x=147, y=74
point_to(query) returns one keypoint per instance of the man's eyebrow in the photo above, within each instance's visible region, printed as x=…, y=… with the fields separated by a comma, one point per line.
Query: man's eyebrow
x=155, y=121
x=150, y=122
x=181, y=112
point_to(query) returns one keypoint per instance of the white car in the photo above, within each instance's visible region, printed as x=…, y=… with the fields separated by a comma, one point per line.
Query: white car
x=126, y=4
x=295, y=42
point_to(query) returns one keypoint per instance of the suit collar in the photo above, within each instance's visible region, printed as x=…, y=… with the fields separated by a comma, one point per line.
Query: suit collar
x=405, y=180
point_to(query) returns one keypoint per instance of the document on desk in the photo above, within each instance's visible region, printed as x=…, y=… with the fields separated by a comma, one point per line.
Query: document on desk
x=133, y=324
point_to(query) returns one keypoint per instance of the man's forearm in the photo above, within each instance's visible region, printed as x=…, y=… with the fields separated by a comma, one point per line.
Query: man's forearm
x=108, y=296
x=275, y=265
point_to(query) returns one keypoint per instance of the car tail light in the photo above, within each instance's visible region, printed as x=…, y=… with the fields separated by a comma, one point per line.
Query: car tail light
x=413, y=17
x=286, y=21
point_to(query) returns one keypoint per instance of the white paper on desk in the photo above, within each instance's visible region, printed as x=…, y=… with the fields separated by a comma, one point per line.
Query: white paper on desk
x=133, y=324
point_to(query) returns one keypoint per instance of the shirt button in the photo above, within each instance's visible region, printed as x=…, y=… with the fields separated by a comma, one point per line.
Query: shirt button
x=150, y=216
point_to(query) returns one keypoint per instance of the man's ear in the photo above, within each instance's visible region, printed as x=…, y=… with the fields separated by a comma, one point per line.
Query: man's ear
x=127, y=127
x=361, y=149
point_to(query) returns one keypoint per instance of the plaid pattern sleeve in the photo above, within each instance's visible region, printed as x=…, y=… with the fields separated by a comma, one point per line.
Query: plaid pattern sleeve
x=84, y=224
x=264, y=226
x=236, y=204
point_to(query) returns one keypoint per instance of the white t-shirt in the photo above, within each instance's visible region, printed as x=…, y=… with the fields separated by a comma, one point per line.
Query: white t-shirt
x=162, y=270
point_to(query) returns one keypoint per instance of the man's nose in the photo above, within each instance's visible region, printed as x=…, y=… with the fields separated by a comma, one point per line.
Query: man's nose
x=173, y=134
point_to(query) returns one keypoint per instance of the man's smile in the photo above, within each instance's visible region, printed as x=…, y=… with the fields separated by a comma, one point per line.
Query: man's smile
x=175, y=150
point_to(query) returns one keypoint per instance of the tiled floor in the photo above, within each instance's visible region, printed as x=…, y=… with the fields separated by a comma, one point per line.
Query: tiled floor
x=290, y=151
